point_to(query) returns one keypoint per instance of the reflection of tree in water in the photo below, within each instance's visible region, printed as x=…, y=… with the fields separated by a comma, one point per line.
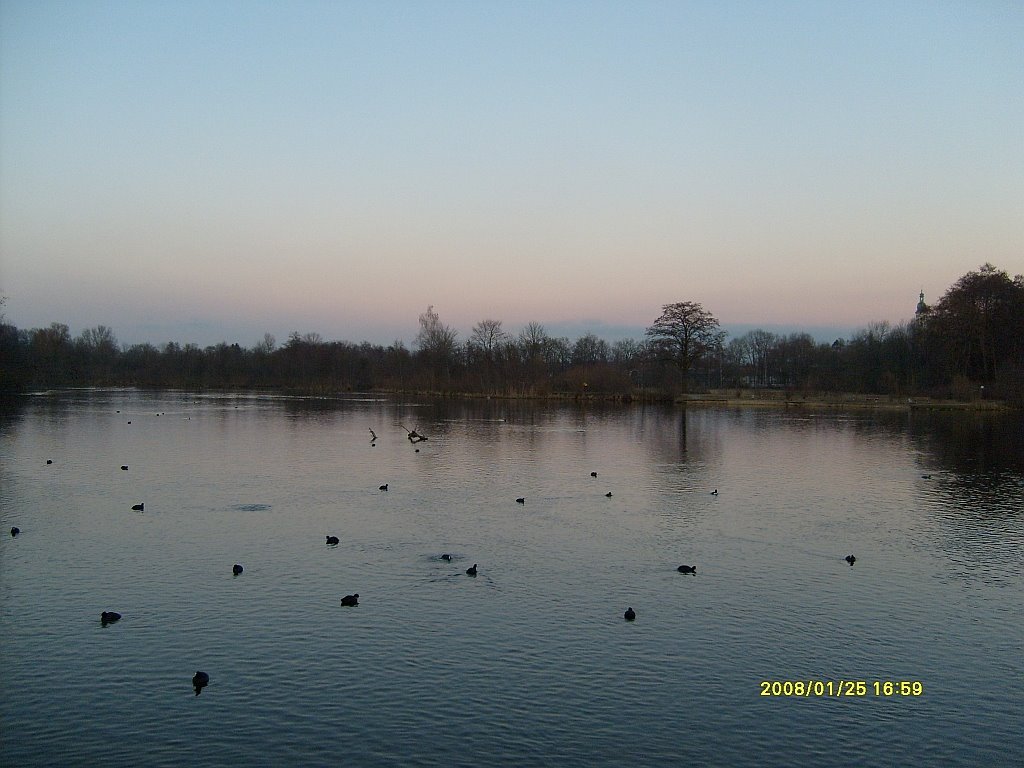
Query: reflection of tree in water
x=12, y=413
x=681, y=437
x=977, y=444
x=972, y=491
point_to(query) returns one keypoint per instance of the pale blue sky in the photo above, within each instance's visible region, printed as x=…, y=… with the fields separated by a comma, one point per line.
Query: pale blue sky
x=207, y=171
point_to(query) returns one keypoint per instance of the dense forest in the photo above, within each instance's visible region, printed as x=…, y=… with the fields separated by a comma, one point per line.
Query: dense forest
x=969, y=345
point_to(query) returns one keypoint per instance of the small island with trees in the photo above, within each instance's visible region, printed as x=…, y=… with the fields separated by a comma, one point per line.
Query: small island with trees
x=966, y=348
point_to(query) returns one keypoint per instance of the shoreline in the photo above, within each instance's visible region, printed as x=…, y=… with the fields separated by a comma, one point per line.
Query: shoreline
x=714, y=398
x=843, y=402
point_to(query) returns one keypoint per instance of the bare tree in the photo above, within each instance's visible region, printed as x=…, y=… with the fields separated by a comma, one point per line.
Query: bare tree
x=533, y=339
x=434, y=337
x=590, y=349
x=266, y=346
x=683, y=333
x=760, y=346
x=98, y=350
x=436, y=344
x=487, y=337
x=484, y=350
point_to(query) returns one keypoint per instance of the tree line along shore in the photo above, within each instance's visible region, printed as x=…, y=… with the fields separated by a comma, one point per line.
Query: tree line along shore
x=967, y=349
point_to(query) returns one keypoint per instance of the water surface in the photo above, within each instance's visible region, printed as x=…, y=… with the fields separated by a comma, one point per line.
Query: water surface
x=530, y=662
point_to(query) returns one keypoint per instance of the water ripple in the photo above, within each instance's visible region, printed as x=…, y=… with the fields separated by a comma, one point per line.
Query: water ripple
x=531, y=662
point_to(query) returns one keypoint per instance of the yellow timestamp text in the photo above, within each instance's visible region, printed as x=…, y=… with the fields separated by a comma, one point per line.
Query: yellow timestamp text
x=841, y=688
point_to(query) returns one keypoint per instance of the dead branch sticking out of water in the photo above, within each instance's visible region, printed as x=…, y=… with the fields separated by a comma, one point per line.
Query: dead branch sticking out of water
x=414, y=436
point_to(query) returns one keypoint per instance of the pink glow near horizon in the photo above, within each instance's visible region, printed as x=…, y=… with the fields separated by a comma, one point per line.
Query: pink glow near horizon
x=337, y=168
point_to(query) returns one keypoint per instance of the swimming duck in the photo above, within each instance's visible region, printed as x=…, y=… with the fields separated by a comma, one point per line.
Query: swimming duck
x=471, y=570
x=593, y=474
x=383, y=487
x=332, y=541
x=139, y=507
x=350, y=600
x=109, y=617
x=521, y=500
x=850, y=559
x=124, y=466
x=629, y=615
x=609, y=494
x=447, y=557
x=199, y=681
x=15, y=531
x=236, y=569
x=687, y=569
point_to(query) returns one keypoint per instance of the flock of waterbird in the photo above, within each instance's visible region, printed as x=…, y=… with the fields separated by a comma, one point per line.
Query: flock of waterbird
x=201, y=679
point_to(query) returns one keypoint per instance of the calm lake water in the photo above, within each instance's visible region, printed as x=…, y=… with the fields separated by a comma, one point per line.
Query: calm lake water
x=530, y=663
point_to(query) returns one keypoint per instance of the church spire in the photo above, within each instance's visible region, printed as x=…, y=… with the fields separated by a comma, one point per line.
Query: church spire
x=921, y=306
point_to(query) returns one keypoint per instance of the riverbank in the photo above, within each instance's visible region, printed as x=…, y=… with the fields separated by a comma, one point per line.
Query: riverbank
x=833, y=400
x=724, y=398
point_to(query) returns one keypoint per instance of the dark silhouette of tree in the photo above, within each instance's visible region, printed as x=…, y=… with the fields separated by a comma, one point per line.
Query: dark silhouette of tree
x=488, y=336
x=969, y=344
x=51, y=351
x=761, y=346
x=796, y=360
x=484, y=351
x=683, y=334
x=979, y=324
x=97, y=348
x=435, y=344
x=266, y=345
x=15, y=362
x=533, y=339
x=589, y=349
x=534, y=344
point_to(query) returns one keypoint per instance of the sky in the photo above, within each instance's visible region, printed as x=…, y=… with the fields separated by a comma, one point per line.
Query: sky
x=212, y=171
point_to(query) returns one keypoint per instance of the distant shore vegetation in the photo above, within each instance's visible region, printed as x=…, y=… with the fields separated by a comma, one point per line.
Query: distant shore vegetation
x=967, y=346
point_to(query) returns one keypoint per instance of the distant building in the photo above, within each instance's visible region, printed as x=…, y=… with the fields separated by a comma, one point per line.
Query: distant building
x=922, y=308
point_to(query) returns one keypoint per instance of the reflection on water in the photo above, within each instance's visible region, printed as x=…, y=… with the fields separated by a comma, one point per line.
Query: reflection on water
x=529, y=662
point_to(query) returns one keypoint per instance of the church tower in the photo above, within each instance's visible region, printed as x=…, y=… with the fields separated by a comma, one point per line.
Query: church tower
x=922, y=308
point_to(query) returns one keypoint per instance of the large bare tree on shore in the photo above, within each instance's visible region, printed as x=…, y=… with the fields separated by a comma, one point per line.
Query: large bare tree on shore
x=683, y=334
x=436, y=345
